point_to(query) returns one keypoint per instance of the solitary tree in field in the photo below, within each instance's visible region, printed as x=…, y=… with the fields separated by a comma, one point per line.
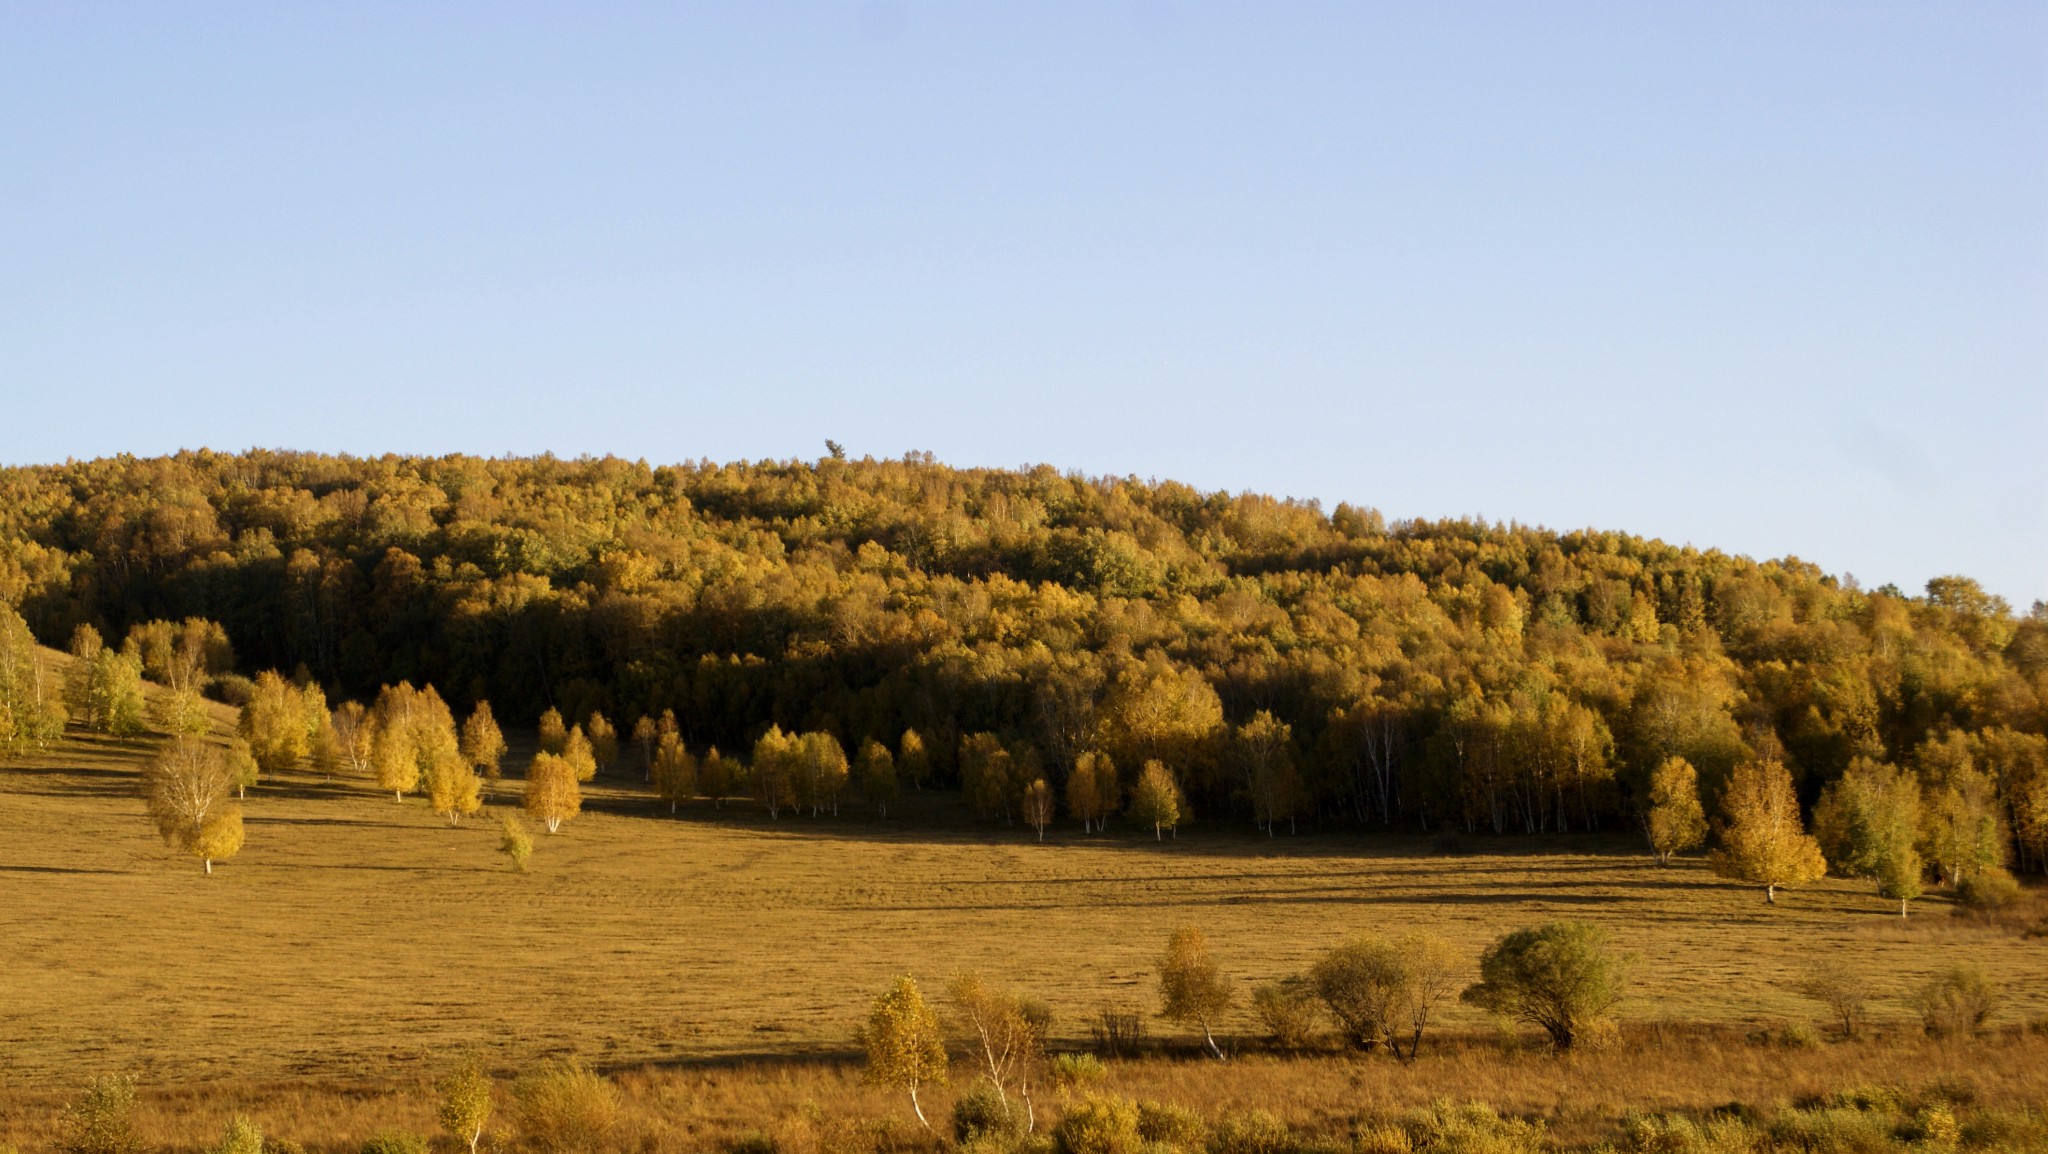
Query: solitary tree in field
x=1156, y=800
x=576, y=750
x=1193, y=991
x=514, y=842
x=1675, y=821
x=554, y=734
x=1867, y=822
x=483, y=743
x=189, y=793
x=1364, y=982
x=1762, y=839
x=1038, y=806
x=466, y=1103
x=875, y=770
x=675, y=772
x=552, y=796
x=905, y=1048
x=1560, y=977
x=604, y=740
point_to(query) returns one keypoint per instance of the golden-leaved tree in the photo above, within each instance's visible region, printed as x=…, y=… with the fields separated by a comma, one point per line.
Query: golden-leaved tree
x=1763, y=840
x=906, y=1050
x=552, y=795
x=190, y=794
x=1675, y=822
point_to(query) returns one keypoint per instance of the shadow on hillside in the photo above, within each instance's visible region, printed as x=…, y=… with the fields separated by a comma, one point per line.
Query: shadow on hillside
x=70, y=781
x=36, y=869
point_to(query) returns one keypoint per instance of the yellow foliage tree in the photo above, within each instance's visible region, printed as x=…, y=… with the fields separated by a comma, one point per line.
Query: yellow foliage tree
x=1675, y=822
x=1763, y=840
x=187, y=789
x=552, y=796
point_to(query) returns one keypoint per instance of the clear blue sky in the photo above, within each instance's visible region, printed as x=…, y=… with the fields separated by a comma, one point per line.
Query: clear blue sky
x=1771, y=277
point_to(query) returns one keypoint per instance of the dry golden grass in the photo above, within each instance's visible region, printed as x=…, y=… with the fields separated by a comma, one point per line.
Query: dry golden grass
x=356, y=940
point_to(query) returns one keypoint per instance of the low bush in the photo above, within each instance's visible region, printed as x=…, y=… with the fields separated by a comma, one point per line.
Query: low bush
x=395, y=1142
x=1099, y=1124
x=1172, y=1129
x=1256, y=1132
x=565, y=1109
x=101, y=1121
x=1473, y=1128
x=1071, y=1072
x=241, y=1137
x=983, y=1113
x=1957, y=1002
x=1289, y=1012
x=1989, y=890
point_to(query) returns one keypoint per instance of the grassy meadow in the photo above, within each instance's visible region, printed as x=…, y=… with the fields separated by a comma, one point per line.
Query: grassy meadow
x=357, y=944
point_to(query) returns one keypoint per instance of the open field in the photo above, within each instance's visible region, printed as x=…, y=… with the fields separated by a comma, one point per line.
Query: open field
x=359, y=938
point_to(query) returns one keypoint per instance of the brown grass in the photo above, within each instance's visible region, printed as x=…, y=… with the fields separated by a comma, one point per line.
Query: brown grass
x=356, y=943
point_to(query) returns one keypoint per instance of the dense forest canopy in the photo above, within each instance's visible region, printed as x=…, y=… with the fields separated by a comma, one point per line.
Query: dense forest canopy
x=1287, y=663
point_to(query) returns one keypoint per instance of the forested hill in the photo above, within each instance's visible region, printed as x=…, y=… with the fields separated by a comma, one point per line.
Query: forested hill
x=1508, y=677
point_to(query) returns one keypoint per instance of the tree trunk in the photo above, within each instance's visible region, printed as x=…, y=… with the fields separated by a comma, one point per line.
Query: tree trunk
x=209, y=866
x=1156, y=835
x=1211, y=1039
x=917, y=1109
x=1770, y=893
x=1902, y=907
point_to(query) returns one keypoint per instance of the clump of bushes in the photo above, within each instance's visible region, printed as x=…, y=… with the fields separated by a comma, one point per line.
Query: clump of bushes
x=1288, y=1011
x=1099, y=1124
x=1171, y=1129
x=982, y=1113
x=1560, y=977
x=1988, y=891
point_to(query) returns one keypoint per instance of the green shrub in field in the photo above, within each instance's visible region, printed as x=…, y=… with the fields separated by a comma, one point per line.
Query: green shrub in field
x=1560, y=977
x=1099, y=1124
x=1833, y=1129
x=1992, y=889
x=983, y=1113
x=395, y=1142
x=1957, y=1002
x=1172, y=1129
x=565, y=1109
x=1289, y=1011
x=101, y=1121
x=1676, y=1134
x=1072, y=1072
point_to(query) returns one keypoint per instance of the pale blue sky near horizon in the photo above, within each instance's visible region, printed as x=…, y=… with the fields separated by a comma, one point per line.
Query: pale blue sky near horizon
x=1764, y=277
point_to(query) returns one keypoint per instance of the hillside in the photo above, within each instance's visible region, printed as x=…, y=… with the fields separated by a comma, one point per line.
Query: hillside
x=1495, y=677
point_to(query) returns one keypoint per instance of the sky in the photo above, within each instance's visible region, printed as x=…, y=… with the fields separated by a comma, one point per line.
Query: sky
x=1764, y=277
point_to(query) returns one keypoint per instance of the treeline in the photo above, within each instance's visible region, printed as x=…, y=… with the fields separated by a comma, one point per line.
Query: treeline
x=1286, y=663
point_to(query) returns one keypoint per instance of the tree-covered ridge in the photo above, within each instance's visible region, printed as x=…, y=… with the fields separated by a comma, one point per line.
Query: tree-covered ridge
x=1286, y=663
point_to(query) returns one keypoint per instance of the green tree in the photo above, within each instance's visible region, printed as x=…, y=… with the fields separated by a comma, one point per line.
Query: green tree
x=1560, y=977
x=101, y=1120
x=1675, y=821
x=905, y=1048
x=1866, y=823
x=31, y=708
x=1193, y=991
x=514, y=842
x=1762, y=839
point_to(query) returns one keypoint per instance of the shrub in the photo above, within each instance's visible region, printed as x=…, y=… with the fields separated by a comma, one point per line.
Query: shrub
x=1989, y=890
x=1473, y=1128
x=1119, y=1031
x=1559, y=977
x=241, y=1137
x=395, y=1142
x=1288, y=1011
x=1676, y=1134
x=1382, y=1140
x=1849, y=1131
x=102, y=1120
x=1956, y=1002
x=983, y=1112
x=1172, y=1128
x=1256, y=1132
x=1071, y=1072
x=1099, y=1124
x=1834, y=986
x=566, y=1108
